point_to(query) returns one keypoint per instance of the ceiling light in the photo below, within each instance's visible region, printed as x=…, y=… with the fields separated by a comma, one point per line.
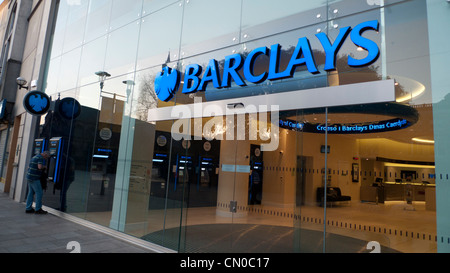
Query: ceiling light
x=412, y=88
x=416, y=139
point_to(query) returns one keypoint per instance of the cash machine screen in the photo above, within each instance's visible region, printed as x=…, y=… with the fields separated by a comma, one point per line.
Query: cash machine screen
x=55, y=157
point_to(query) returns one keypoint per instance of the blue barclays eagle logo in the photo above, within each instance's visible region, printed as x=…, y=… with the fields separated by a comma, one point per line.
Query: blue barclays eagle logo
x=166, y=83
x=69, y=108
x=38, y=102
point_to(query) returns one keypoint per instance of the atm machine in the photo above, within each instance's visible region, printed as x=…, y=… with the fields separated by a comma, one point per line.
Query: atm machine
x=183, y=171
x=159, y=174
x=205, y=172
x=256, y=175
x=55, y=146
x=39, y=146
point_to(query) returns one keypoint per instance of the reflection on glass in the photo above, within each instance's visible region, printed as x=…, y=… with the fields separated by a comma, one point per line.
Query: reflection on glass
x=60, y=30
x=408, y=52
x=69, y=192
x=345, y=73
x=214, y=194
x=76, y=20
x=68, y=70
x=155, y=46
x=145, y=97
x=124, y=12
x=272, y=10
x=52, y=78
x=92, y=60
x=341, y=8
x=150, y=6
x=209, y=32
x=98, y=16
x=121, y=50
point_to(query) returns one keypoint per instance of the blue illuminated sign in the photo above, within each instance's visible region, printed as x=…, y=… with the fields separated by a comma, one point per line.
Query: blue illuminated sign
x=2, y=108
x=289, y=124
x=36, y=103
x=69, y=108
x=361, y=128
x=382, y=126
x=167, y=81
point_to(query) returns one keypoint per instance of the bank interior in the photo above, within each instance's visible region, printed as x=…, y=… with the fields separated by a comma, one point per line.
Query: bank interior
x=217, y=194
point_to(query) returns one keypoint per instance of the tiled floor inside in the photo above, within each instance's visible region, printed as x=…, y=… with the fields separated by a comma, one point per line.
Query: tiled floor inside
x=395, y=224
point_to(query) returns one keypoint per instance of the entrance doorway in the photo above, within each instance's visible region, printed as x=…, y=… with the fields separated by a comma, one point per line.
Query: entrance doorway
x=267, y=173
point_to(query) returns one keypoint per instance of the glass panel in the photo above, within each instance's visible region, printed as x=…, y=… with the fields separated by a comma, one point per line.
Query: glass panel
x=145, y=97
x=68, y=191
x=82, y=146
x=76, y=20
x=150, y=6
x=309, y=212
x=92, y=61
x=121, y=50
x=159, y=183
x=124, y=12
x=212, y=187
x=349, y=74
x=210, y=32
x=60, y=29
x=406, y=61
x=202, y=60
x=105, y=174
x=166, y=47
x=288, y=41
x=98, y=16
x=181, y=175
x=243, y=198
x=137, y=177
x=278, y=17
x=160, y=171
x=438, y=15
x=387, y=177
x=387, y=169
x=68, y=70
x=341, y=8
x=51, y=83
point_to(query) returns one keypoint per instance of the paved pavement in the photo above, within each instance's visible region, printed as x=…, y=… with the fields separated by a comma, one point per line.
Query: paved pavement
x=50, y=233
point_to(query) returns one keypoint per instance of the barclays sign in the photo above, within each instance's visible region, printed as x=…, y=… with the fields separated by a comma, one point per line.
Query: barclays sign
x=167, y=82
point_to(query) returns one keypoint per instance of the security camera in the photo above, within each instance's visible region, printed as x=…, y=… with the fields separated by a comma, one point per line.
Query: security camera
x=21, y=82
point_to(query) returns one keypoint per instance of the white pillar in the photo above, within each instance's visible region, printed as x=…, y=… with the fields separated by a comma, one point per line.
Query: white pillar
x=438, y=18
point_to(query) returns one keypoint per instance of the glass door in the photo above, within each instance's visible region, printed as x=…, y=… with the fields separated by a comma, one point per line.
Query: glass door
x=250, y=173
x=256, y=182
x=264, y=188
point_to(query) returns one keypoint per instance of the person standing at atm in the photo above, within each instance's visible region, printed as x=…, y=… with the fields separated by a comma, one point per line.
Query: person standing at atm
x=35, y=169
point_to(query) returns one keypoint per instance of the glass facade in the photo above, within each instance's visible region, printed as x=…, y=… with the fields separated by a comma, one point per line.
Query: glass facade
x=207, y=181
